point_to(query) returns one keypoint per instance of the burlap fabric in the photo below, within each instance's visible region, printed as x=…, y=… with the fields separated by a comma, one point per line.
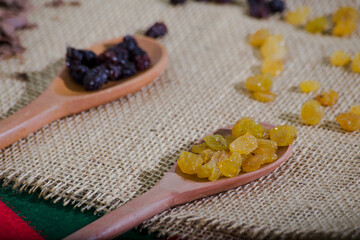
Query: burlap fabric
x=106, y=156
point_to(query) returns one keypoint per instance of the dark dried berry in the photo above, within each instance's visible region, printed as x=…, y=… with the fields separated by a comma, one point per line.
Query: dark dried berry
x=259, y=11
x=223, y=1
x=136, y=52
x=276, y=6
x=95, y=78
x=109, y=56
x=77, y=72
x=142, y=62
x=128, y=70
x=174, y=2
x=128, y=43
x=79, y=56
x=255, y=2
x=114, y=71
x=122, y=54
x=157, y=30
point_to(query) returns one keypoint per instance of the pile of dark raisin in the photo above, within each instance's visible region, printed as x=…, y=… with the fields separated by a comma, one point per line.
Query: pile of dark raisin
x=157, y=30
x=121, y=61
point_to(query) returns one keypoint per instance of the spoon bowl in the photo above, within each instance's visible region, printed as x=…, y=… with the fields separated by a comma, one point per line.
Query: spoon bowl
x=64, y=96
x=173, y=189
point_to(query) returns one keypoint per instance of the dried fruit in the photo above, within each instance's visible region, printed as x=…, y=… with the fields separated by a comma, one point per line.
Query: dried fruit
x=230, y=138
x=309, y=86
x=273, y=47
x=276, y=6
x=344, y=28
x=264, y=96
x=247, y=124
x=356, y=63
x=231, y=166
x=265, y=147
x=261, y=82
x=244, y=144
x=157, y=30
x=272, y=66
x=299, y=16
x=355, y=109
x=77, y=72
x=259, y=37
x=327, y=98
x=316, y=25
x=266, y=133
x=175, y=2
x=283, y=135
x=199, y=147
x=311, y=113
x=216, y=142
x=349, y=121
x=339, y=58
x=345, y=14
x=258, y=9
x=189, y=162
x=253, y=163
x=95, y=78
x=206, y=155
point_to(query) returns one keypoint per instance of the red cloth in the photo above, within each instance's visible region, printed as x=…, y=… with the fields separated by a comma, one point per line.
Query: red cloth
x=13, y=227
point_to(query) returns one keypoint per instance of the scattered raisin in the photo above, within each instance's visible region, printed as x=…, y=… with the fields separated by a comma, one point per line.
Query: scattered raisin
x=157, y=30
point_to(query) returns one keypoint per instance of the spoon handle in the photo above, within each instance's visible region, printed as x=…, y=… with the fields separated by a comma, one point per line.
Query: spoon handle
x=127, y=216
x=43, y=110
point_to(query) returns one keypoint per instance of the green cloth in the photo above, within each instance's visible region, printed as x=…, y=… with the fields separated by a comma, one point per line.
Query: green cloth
x=53, y=219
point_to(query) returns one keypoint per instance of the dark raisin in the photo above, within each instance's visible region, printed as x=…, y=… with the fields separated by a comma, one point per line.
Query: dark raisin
x=95, y=78
x=136, y=52
x=128, y=43
x=122, y=54
x=128, y=70
x=223, y=1
x=259, y=11
x=174, y=2
x=157, y=30
x=276, y=6
x=114, y=71
x=108, y=56
x=77, y=72
x=142, y=62
x=79, y=56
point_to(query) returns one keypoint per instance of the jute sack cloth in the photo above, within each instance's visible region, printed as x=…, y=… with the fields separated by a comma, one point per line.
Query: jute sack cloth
x=101, y=158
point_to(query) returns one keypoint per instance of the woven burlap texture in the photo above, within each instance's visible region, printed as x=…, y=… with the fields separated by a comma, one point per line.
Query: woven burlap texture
x=101, y=158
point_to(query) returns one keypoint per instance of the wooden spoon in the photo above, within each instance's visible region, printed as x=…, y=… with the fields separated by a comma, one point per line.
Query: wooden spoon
x=65, y=97
x=173, y=189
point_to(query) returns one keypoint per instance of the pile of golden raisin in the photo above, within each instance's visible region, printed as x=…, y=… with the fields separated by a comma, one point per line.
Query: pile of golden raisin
x=272, y=49
x=344, y=21
x=246, y=149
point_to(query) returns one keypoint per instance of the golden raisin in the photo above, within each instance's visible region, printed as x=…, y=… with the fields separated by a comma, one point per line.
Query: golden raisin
x=259, y=37
x=327, y=98
x=349, y=121
x=265, y=147
x=355, y=109
x=339, y=58
x=299, y=16
x=273, y=47
x=266, y=133
x=230, y=167
x=216, y=142
x=189, y=162
x=272, y=66
x=247, y=124
x=253, y=163
x=311, y=112
x=206, y=155
x=344, y=28
x=244, y=144
x=230, y=138
x=199, y=147
x=261, y=82
x=345, y=13
x=309, y=86
x=356, y=63
x=264, y=96
x=316, y=25
x=283, y=135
